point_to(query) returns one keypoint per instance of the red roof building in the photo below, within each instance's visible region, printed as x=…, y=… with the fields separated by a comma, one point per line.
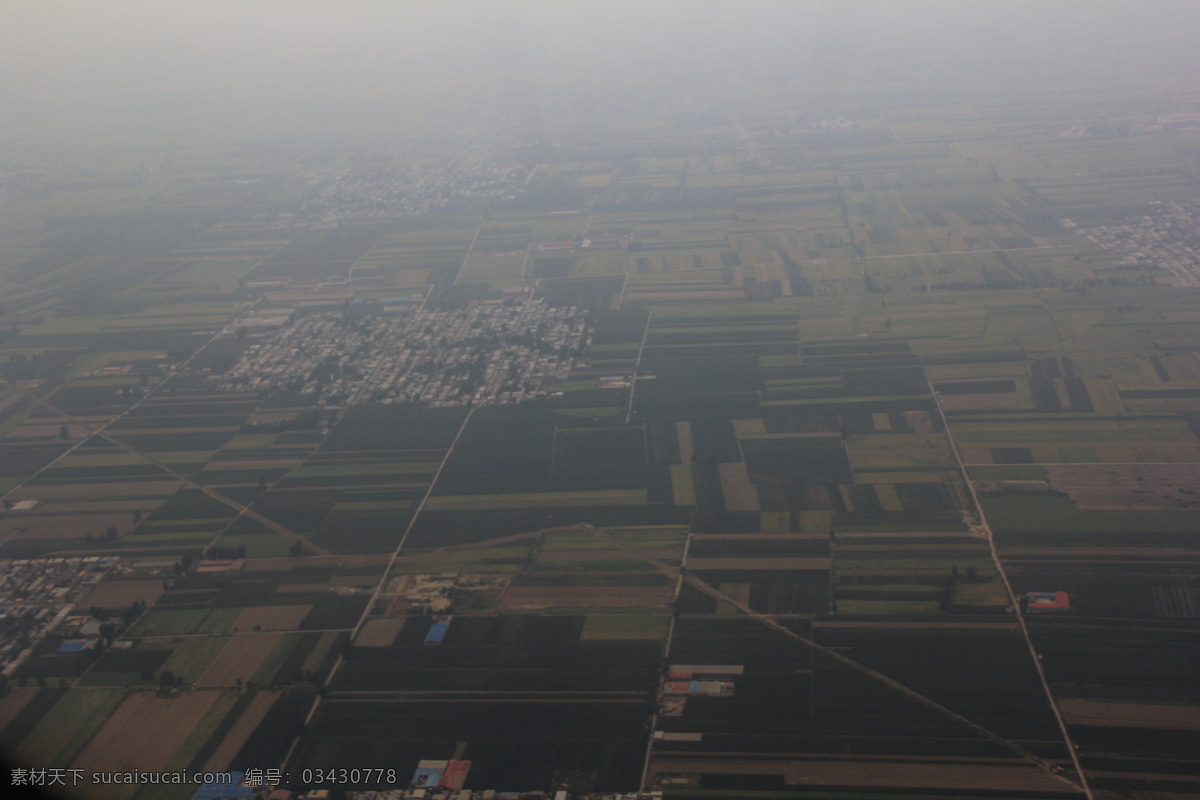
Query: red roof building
x=1047, y=601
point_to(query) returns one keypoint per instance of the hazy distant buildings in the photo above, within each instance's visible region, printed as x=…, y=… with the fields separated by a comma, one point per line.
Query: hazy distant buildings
x=1169, y=239
x=497, y=352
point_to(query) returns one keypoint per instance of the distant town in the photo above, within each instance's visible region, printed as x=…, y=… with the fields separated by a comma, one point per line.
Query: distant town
x=1169, y=239
x=38, y=595
x=415, y=190
x=491, y=353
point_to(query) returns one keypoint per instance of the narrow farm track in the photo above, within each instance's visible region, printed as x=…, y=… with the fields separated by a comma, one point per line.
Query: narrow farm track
x=242, y=510
x=848, y=662
x=383, y=580
x=1037, y=664
x=637, y=365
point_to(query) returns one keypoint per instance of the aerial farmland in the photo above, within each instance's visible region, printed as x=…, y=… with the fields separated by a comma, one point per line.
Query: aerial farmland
x=778, y=405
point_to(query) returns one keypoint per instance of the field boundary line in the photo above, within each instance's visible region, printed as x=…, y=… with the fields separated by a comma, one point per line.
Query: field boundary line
x=103, y=432
x=407, y=530
x=637, y=365
x=1016, y=607
x=968, y=252
x=467, y=255
x=891, y=683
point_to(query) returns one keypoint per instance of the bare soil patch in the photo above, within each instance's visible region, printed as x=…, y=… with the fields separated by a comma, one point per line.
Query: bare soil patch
x=1128, y=486
x=144, y=732
x=12, y=703
x=122, y=594
x=379, y=632
x=882, y=773
x=239, y=659
x=271, y=618
x=740, y=494
x=1130, y=715
x=983, y=401
x=300, y=588
x=976, y=455
x=354, y=580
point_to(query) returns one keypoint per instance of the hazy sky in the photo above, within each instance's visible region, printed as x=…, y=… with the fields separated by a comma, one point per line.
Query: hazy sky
x=269, y=65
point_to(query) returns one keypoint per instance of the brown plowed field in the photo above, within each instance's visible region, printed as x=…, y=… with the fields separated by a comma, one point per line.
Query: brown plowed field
x=271, y=618
x=982, y=401
x=355, y=580
x=739, y=493
x=1128, y=486
x=379, y=632
x=239, y=659
x=1130, y=715
x=122, y=594
x=240, y=732
x=300, y=588
x=888, y=774
x=600, y=597
x=144, y=732
x=12, y=703
x=976, y=455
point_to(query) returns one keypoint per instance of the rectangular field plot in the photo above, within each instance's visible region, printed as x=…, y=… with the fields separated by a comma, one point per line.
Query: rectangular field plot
x=1053, y=521
x=599, y=458
x=607, y=627
x=531, y=654
x=66, y=721
x=447, y=528
x=586, y=597
x=1045, y=440
x=239, y=660
x=1127, y=486
x=900, y=451
x=146, y=730
x=1136, y=661
x=161, y=621
x=796, y=458
x=915, y=574
x=1000, y=691
x=511, y=744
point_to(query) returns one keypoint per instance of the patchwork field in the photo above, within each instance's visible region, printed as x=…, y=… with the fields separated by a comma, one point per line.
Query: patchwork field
x=144, y=732
x=699, y=427
x=239, y=660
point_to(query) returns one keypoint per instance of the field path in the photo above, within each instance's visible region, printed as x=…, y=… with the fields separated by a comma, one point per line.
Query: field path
x=1037, y=663
x=240, y=733
x=102, y=431
x=770, y=622
x=637, y=365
